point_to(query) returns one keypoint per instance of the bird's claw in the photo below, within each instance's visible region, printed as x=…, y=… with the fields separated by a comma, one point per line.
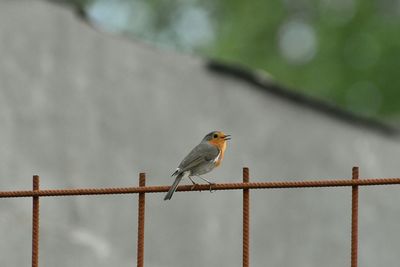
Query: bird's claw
x=211, y=184
x=193, y=186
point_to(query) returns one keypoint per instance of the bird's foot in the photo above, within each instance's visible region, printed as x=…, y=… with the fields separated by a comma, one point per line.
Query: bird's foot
x=194, y=183
x=194, y=186
x=211, y=184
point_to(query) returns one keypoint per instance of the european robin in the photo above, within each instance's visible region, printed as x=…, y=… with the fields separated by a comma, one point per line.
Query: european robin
x=202, y=159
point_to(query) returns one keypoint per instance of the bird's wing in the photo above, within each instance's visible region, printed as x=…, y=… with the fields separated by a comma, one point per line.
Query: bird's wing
x=202, y=153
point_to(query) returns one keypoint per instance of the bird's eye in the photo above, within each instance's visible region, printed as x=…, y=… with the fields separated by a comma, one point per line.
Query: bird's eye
x=215, y=135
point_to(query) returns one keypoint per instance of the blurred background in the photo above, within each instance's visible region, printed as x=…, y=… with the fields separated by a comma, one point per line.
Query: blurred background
x=346, y=52
x=94, y=92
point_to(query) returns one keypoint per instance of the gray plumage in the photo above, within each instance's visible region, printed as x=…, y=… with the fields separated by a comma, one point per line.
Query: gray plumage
x=199, y=161
x=172, y=190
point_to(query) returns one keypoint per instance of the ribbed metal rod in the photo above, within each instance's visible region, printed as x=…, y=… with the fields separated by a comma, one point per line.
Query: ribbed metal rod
x=246, y=220
x=35, y=224
x=354, y=220
x=203, y=187
x=141, y=214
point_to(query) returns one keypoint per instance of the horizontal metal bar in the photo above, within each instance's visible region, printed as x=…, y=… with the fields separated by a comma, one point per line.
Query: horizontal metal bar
x=203, y=187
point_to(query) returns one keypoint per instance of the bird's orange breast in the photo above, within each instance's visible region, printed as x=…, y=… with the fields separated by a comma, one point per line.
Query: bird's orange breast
x=221, y=145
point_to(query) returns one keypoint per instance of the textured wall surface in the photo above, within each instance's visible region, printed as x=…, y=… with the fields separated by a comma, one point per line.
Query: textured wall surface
x=83, y=108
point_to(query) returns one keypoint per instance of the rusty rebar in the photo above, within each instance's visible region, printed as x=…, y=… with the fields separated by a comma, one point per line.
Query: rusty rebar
x=35, y=223
x=354, y=220
x=203, y=187
x=141, y=210
x=246, y=219
x=355, y=182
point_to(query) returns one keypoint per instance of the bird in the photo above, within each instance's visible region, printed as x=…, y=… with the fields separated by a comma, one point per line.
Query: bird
x=202, y=159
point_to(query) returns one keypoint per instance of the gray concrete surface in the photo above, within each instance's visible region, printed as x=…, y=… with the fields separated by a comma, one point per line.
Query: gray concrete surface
x=83, y=108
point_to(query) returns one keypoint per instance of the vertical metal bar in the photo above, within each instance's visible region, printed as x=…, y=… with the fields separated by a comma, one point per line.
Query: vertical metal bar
x=141, y=209
x=246, y=218
x=35, y=224
x=354, y=220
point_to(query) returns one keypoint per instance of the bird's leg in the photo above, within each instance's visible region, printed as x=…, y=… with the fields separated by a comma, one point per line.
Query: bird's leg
x=193, y=182
x=210, y=183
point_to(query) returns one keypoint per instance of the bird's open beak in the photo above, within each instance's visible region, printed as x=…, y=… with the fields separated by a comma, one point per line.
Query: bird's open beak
x=227, y=137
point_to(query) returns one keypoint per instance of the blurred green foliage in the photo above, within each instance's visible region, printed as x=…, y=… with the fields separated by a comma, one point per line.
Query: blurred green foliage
x=343, y=51
x=357, y=58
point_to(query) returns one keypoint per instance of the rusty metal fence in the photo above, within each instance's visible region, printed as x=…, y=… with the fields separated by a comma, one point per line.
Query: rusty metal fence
x=142, y=189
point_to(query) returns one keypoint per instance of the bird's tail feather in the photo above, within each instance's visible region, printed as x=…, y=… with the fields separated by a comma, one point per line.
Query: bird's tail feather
x=171, y=191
